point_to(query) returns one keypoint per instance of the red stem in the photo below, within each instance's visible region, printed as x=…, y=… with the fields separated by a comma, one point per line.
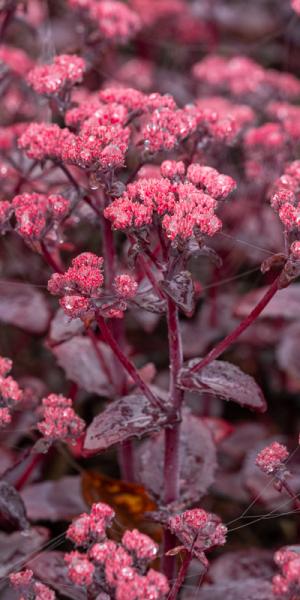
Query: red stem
x=232, y=337
x=127, y=364
x=290, y=492
x=172, y=435
x=180, y=577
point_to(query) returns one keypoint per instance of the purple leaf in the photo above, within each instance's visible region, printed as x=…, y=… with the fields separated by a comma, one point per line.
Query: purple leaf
x=19, y=546
x=225, y=380
x=78, y=358
x=242, y=564
x=287, y=353
x=63, y=328
x=24, y=306
x=50, y=568
x=198, y=460
x=148, y=299
x=123, y=419
x=248, y=589
x=200, y=332
x=284, y=305
x=58, y=500
x=12, y=506
x=181, y=290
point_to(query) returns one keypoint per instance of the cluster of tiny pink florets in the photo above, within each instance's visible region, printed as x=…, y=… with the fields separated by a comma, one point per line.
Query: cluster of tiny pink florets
x=29, y=588
x=65, y=71
x=295, y=4
x=183, y=205
x=198, y=531
x=115, y=21
x=15, y=59
x=271, y=459
x=95, y=146
x=81, y=288
x=10, y=392
x=35, y=214
x=285, y=200
x=118, y=569
x=60, y=421
x=81, y=282
x=242, y=77
x=286, y=586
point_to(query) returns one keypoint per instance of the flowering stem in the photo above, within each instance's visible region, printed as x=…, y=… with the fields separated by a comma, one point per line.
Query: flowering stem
x=290, y=492
x=108, y=252
x=180, y=577
x=232, y=337
x=126, y=363
x=49, y=259
x=172, y=435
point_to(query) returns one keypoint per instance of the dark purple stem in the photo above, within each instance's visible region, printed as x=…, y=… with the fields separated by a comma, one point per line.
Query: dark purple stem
x=127, y=364
x=100, y=357
x=49, y=259
x=180, y=577
x=172, y=435
x=232, y=337
x=291, y=493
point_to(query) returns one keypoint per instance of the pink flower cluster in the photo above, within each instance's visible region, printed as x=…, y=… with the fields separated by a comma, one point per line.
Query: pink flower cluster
x=183, y=206
x=295, y=4
x=115, y=21
x=10, y=393
x=119, y=569
x=60, y=422
x=285, y=198
x=90, y=528
x=242, y=76
x=223, y=119
x=286, y=586
x=65, y=71
x=15, y=59
x=198, y=531
x=29, y=587
x=81, y=282
x=167, y=127
x=81, y=288
x=289, y=117
x=271, y=459
x=95, y=146
x=266, y=149
x=35, y=214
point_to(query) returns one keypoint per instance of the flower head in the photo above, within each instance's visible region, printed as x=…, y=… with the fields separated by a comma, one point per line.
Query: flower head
x=60, y=421
x=65, y=71
x=271, y=458
x=198, y=530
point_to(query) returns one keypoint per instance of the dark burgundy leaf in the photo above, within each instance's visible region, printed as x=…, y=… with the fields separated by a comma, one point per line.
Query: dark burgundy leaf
x=225, y=380
x=240, y=442
x=242, y=564
x=181, y=290
x=50, y=568
x=24, y=306
x=288, y=351
x=198, y=460
x=78, y=358
x=148, y=299
x=285, y=304
x=123, y=419
x=19, y=546
x=12, y=506
x=62, y=327
x=58, y=500
x=248, y=589
x=207, y=326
